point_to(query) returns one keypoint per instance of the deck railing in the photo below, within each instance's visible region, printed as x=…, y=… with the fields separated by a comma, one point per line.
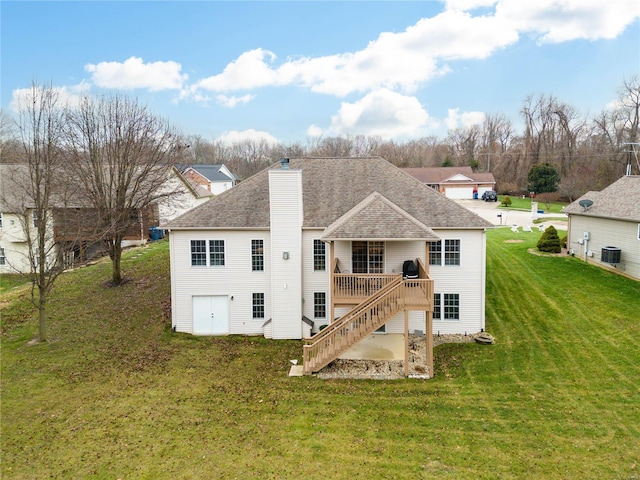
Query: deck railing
x=350, y=288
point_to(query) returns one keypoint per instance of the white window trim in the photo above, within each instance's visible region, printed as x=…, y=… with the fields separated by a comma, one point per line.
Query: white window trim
x=441, y=318
x=326, y=309
x=443, y=254
x=207, y=244
x=264, y=307
x=313, y=254
x=264, y=266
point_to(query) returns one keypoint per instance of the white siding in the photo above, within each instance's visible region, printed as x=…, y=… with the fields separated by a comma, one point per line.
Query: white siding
x=604, y=232
x=467, y=279
x=181, y=200
x=314, y=281
x=285, y=197
x=235, y=280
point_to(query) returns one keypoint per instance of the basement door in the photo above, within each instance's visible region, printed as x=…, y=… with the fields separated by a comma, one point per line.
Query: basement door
x=210, y=315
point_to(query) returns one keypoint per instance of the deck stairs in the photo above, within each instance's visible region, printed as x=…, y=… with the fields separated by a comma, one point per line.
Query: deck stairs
x=362, y=320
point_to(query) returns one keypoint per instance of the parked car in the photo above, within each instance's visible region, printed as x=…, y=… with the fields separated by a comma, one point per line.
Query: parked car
x=490, y=196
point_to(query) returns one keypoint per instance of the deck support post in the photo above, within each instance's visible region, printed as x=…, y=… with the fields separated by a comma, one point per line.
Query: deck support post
x=406, y=343
x=428, y=335
x=332, y=280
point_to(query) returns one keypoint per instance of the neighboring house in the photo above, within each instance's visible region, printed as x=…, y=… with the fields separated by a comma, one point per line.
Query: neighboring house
x=215, y=178
x=72, y=226
x=455, y=182
x=604, y=227
x=299, y=245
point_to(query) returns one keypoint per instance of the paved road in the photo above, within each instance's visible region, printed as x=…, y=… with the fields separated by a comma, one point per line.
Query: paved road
x=490, y=212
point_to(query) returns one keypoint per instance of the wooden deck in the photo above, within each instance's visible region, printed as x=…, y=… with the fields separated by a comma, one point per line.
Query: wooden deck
x=377, y=299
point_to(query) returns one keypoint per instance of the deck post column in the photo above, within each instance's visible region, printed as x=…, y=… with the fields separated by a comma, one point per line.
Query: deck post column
x=406, y=342
x=332, y=281
x=428, y=334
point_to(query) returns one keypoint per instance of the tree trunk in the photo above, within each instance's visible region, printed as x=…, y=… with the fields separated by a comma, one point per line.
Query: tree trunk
x=42, y=314
x=116, y=275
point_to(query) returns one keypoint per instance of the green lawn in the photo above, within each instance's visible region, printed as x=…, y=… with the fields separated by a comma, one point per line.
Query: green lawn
x=116, y=395
x=519, y=203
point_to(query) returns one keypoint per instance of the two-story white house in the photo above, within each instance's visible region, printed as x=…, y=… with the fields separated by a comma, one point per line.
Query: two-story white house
x=309, y=241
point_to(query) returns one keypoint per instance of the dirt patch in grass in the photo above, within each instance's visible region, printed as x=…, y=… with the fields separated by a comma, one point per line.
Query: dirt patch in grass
x=513, y=240
x=535, y=251
x=391, y=369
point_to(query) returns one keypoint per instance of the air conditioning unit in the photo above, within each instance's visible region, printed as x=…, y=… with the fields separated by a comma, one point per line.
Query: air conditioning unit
x=610, y=255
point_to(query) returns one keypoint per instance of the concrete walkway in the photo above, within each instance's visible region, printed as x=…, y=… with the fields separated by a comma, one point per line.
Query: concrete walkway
x=490, y=211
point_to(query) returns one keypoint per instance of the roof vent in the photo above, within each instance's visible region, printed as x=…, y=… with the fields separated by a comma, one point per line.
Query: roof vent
x=284, y=164
x=585, y=204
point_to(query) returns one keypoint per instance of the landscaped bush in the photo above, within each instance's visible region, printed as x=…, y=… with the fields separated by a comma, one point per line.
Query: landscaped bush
x=549, y=241
x=506, y=201
x=563, y=242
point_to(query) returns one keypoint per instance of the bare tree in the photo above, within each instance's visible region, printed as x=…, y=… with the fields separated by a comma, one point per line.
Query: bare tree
x=122, y=155
x=31, y=188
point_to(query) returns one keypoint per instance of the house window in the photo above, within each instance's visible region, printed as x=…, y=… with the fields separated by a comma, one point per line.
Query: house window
x=446, y=306
x=319, y=305
x=257, y=255
x=437, y=312
x=435, y=253
x=34, y=216
x=3, y=259
x=319, y=257
x=258, y=306
x=199, y=254
x=36, y=257
x=216, y=253
x=1, y=222
x=638, y=228
x=452, y=252
x=367, y=257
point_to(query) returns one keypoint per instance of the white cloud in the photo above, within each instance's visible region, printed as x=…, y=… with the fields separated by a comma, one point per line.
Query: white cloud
x=249, y=70
x=67, y=96
x=455, y=119
x=232, y=101
x=381, y=113
x=314, y=131
x=235, y=136
x=134, y=73
x=564, y=20
x=403, y=61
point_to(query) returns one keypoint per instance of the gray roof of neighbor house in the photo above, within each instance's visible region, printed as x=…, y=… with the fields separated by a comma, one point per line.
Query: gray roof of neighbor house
x=331, y=187
x=433, y=175
x=211, y=172
x=620, y=200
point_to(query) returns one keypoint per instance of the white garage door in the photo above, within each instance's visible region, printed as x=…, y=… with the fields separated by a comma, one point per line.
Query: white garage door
x=463, y=193
x=210, y=315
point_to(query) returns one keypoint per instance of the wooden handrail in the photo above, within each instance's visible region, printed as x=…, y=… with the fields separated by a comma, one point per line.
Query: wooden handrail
x=354, y=311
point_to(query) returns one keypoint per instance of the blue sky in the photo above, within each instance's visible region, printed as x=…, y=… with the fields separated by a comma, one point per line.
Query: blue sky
x=288, y=71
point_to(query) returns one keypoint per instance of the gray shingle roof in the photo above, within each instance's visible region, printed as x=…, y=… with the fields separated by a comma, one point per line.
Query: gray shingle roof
x=331, y=187
x=210, y=172
x=433, y=175
x=376, y=218
x=620, y=200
